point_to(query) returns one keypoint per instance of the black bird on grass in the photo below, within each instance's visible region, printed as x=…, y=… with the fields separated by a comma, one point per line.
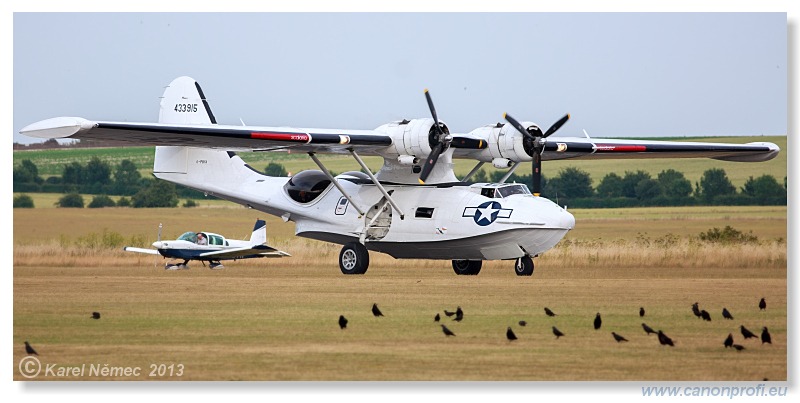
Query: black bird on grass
x=447, y=331
x=95, y=315
x=618, y=338
x=449, y=313
x=765, y=336
x=342, y=322
x=696, y=309
x=705, y=315
x=437, y=317
x=597, y=321
x=664, y=339
x=641, y=312
x=522, y=323
x=747, y=334
x=648, y=329
x=729, y=340
x=726, y=314
x=376, y=311
x=762, y=305
x=549, y=312
x=29, y=349
x=557, y=332
x=459, y=315
x=738, y=347
x=510, y=334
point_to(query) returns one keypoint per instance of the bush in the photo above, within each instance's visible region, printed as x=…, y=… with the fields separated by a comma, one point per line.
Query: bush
x=23, y=201
x=728, y=235
x=70, y=200
x=189, y=203
x=101, y=201
x=157, y=194
x=124, y=202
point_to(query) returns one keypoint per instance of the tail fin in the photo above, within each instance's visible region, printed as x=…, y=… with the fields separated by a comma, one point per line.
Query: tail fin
x=259, y=235
x=184, y=103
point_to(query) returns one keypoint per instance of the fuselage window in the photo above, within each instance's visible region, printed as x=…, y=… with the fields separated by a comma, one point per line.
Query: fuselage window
x=307, y=186
x=424, y=212
x=513, y=190
x=215, y=240
x=488, y=192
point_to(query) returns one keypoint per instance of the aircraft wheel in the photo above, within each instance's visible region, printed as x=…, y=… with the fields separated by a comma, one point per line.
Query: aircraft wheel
x=524, y=266
x=467, y=267
x=354, y=258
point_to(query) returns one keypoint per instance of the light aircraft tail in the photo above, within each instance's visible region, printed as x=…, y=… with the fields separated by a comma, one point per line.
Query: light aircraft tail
x=259, y=235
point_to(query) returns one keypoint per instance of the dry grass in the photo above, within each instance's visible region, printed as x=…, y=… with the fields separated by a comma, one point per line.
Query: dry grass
x=276, y=319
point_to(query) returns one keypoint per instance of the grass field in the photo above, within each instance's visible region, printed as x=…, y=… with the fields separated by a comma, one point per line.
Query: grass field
x=276, y=319
x=51, y=162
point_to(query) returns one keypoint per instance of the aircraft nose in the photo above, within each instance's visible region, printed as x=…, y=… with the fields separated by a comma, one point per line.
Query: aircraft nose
x=158, y=244
x=566, y=219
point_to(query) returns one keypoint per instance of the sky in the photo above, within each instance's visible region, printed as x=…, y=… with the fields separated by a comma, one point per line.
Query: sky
x=617, y=74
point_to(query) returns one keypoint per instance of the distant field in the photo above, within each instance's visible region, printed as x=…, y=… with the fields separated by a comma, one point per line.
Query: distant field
x=51, y=162
x=276, y=319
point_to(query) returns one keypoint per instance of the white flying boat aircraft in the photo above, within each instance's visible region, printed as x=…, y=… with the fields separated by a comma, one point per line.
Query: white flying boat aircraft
x=414, y=207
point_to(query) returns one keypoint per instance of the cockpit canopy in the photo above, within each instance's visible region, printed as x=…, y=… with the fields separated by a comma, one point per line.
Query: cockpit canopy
x=306, y=186
x=501, y=190
x=212, y=239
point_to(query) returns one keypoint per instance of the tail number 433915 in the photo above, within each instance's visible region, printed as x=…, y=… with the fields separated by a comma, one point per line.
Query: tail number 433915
x=185, y=107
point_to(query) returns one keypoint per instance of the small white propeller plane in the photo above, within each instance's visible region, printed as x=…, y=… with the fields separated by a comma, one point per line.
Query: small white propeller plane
x=212, y=248
x=414, y=207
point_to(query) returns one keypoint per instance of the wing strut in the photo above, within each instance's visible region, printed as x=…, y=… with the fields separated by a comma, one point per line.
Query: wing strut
x=510, y=172
x=375, y=181
x=473, y=171
x=335, y=183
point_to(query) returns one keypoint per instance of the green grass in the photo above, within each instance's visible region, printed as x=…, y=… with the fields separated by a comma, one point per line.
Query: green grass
x=51, y=162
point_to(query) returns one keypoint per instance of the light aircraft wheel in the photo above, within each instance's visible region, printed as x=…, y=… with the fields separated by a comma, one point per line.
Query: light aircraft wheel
x=467, y=267
x=524, y=266
x=354, y=258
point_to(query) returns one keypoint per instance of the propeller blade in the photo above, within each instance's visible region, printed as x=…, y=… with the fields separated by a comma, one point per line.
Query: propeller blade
x=557, y=125
x=468, y=142
x=516, y=125
x=536, y=173
x=433, y=110
x=430, y=162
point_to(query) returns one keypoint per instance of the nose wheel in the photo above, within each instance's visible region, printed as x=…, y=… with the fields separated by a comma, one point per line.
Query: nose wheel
x=524, y=266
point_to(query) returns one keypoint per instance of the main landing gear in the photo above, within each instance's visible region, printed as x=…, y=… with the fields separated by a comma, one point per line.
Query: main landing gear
x=354, y=258
x=522, y=267
x=177, y=266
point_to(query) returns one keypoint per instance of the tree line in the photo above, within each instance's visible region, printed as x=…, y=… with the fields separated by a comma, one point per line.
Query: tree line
x=571, y=186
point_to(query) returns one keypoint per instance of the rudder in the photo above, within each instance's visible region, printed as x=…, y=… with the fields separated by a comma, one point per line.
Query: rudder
x=183, y=102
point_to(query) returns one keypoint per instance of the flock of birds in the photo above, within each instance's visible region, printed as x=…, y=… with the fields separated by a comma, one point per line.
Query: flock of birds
x=598, y=322
x=663, y=339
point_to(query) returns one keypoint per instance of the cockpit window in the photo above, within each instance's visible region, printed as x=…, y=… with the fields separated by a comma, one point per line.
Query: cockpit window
x=306, y=186
x=188, y=236
x=505, y=191
x=513, y=190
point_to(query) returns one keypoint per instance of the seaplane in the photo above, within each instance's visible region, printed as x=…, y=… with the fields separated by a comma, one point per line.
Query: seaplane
x=413, y=207
x=212, y=248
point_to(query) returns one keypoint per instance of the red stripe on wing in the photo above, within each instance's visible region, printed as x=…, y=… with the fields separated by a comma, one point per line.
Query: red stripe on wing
x=297, y=137
x=620, y=148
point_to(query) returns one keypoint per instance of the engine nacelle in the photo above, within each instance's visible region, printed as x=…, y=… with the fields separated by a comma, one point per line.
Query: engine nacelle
x=504, y=142
x=412, y=137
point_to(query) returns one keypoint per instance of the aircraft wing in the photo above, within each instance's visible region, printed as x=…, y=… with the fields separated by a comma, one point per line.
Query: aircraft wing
x=596, y=148
x=245, y=253
x=141, y=250
x=242, y=138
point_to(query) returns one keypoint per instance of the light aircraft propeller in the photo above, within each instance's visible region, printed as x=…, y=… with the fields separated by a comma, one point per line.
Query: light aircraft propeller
x=534, y=143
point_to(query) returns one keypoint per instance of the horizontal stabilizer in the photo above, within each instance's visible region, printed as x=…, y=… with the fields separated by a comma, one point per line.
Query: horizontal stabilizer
x=245, y=253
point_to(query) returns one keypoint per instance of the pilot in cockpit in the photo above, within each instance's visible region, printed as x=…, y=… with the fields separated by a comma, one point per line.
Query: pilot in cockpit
x=201, y=239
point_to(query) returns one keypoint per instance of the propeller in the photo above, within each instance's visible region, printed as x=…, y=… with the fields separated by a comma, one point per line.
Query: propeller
x=534, y=143
x=440, y=139
x=440, y=135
